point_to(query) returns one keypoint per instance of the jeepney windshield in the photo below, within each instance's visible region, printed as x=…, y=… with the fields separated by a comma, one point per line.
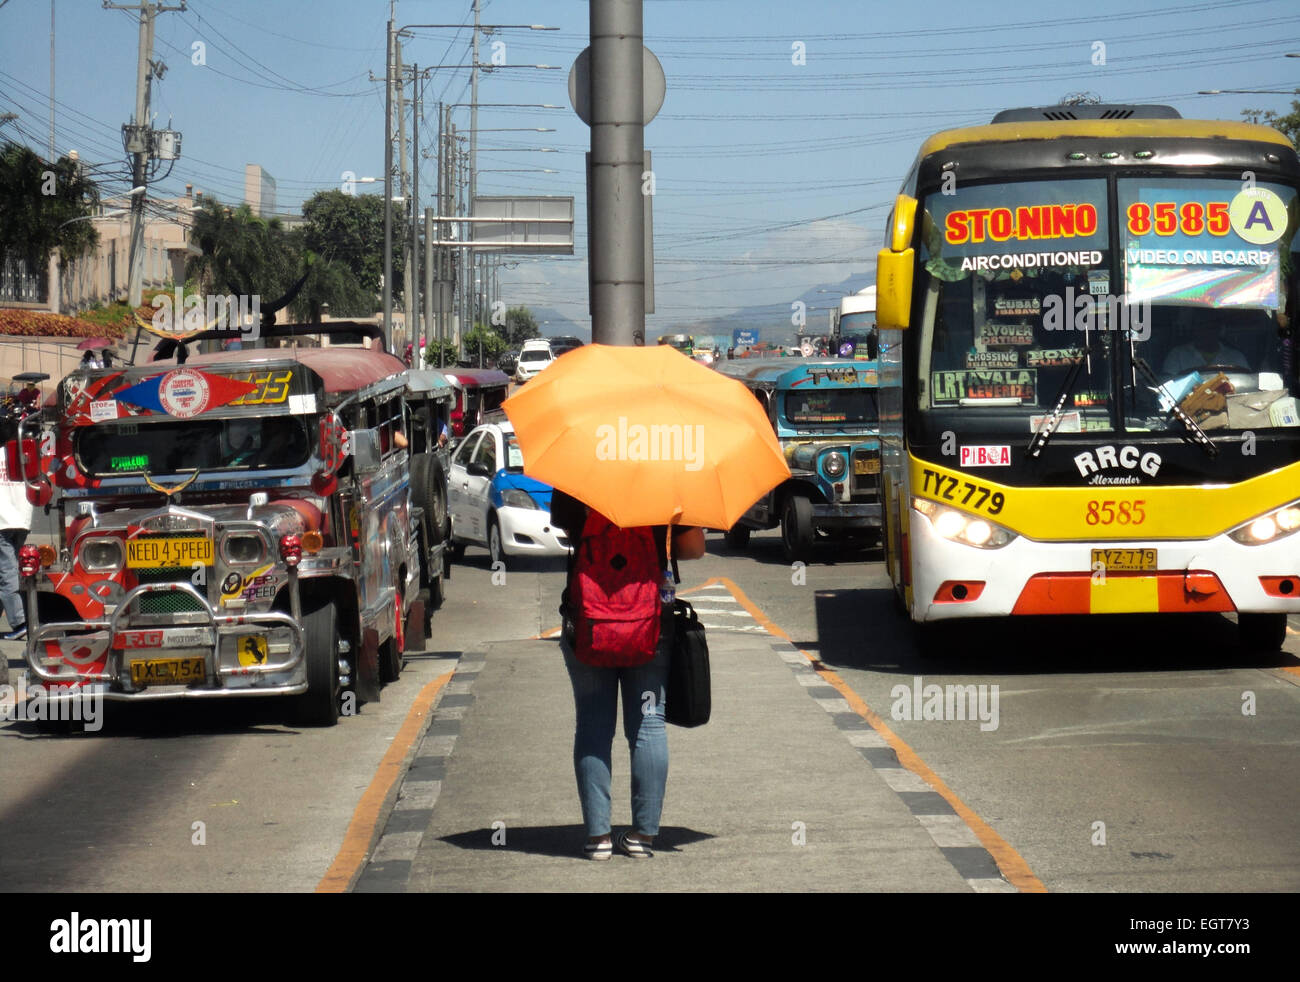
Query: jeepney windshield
x=1021, y=284
x=210, y=444
x=826, y=405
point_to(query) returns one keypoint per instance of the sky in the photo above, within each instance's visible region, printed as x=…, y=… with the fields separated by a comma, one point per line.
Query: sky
x=784, y=135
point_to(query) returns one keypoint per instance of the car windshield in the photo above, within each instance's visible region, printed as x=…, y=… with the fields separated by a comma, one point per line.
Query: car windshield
x=536, y=354
x=173, y=446
x=1023, y=285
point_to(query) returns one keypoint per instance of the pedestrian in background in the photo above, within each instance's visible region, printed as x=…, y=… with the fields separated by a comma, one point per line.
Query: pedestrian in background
x=596, y=698
x=15, y=523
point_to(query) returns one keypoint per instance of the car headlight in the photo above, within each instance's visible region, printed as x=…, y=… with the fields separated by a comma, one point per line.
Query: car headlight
x=517, y=499
x=970, y=530
x=100, y=554
x=833, y=464
x=243, y=548
x=1269, y=527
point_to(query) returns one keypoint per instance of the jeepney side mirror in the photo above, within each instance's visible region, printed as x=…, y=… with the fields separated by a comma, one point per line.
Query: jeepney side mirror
x=366, y=454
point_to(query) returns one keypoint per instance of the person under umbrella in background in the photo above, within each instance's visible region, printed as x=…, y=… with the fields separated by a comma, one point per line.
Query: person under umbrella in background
x=596, y=697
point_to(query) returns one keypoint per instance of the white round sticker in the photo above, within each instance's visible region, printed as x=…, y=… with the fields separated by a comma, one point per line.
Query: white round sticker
x=183, y=393
x=1258, y=215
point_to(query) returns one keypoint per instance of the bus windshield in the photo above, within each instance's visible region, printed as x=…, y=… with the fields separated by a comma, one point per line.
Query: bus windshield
x=209, y=444
x=1023, y=285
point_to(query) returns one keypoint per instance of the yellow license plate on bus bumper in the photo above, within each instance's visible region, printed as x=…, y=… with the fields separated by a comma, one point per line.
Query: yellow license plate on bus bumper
x=168, y=671
x=161, y=553
x=1124, y=560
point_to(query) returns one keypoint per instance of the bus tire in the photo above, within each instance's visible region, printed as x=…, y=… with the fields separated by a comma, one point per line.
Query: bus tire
x=1261, y=632
x=319, y=705
x=737, y=537
x=797, y=531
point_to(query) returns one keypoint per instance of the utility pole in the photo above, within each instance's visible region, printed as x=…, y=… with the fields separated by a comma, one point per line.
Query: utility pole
x=388, y=184
x=138, y=136
x=473, y=159
x=52, y=157
x=413, y=318
x=400, y=82
x=617, y=156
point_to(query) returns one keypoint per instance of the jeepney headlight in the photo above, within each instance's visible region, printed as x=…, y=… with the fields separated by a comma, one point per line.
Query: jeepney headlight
x=243, y=548
x=1269, y=527
x=961, y=527
x=100, y=554
x=834, y=464
x=516, y=498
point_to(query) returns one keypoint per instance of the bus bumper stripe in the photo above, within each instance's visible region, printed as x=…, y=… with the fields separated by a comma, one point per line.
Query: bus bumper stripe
x=1118, y=593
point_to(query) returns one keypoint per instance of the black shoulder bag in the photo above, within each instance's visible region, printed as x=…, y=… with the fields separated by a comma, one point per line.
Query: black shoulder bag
x=689, y=695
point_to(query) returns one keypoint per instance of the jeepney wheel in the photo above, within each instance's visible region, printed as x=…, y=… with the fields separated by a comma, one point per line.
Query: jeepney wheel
x=797, y=531
x=1261, y=632
x=737, y=537
x=390, y=666
x=496, y=551
x=319, y=705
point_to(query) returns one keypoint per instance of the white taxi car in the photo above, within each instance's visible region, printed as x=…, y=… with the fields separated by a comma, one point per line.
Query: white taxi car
x=535, y=355
x=494, y=505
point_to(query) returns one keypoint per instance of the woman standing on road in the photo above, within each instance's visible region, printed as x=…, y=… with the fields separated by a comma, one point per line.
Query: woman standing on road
x=596, y=697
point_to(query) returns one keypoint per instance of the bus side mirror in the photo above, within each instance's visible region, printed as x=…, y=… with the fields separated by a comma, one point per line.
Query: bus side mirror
x=894, y=288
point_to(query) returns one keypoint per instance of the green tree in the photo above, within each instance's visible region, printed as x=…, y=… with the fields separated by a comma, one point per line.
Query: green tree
x=450, y=353
x=349, y=229
x=241, y=253
x=39, y=201
x=1288, y=125
x=520, y=325
x=486, y=339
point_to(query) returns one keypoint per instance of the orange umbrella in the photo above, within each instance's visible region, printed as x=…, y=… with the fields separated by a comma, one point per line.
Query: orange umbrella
x=647, y=436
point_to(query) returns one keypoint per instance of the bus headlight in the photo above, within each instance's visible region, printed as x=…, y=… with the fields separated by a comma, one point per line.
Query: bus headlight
x=961, y=527
x=833, y=464
x=1269, y=527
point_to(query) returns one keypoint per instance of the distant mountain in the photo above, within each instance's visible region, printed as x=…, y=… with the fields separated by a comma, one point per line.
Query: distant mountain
x=773, y=321
x=554, y=324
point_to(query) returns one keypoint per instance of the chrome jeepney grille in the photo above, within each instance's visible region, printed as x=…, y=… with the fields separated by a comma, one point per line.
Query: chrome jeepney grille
x=168, y=601
x=864, y=482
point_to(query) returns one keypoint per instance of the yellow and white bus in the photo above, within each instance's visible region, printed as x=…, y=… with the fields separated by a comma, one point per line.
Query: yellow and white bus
x=1088, y=370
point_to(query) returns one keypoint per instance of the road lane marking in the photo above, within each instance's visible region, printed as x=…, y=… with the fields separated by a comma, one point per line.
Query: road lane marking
x=351, y=857
x=1012, y=865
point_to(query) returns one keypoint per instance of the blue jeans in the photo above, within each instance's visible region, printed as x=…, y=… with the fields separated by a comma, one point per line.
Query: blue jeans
x=11, y=540
x=595, y=696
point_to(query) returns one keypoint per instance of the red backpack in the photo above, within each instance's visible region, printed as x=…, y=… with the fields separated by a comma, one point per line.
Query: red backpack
x=614, y=594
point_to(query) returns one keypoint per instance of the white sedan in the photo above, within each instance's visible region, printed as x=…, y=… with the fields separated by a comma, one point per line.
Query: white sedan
x=492, y=504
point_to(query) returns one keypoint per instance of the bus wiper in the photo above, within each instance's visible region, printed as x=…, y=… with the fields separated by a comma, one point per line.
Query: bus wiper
x=1193, y=428
x=1053, y=419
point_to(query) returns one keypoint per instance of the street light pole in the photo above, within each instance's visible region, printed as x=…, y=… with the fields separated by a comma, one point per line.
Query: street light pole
x=388, y=189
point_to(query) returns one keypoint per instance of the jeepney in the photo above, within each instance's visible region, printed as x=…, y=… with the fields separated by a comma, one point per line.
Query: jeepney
x=481, y=390
x=825, y=416
x=236, y=524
